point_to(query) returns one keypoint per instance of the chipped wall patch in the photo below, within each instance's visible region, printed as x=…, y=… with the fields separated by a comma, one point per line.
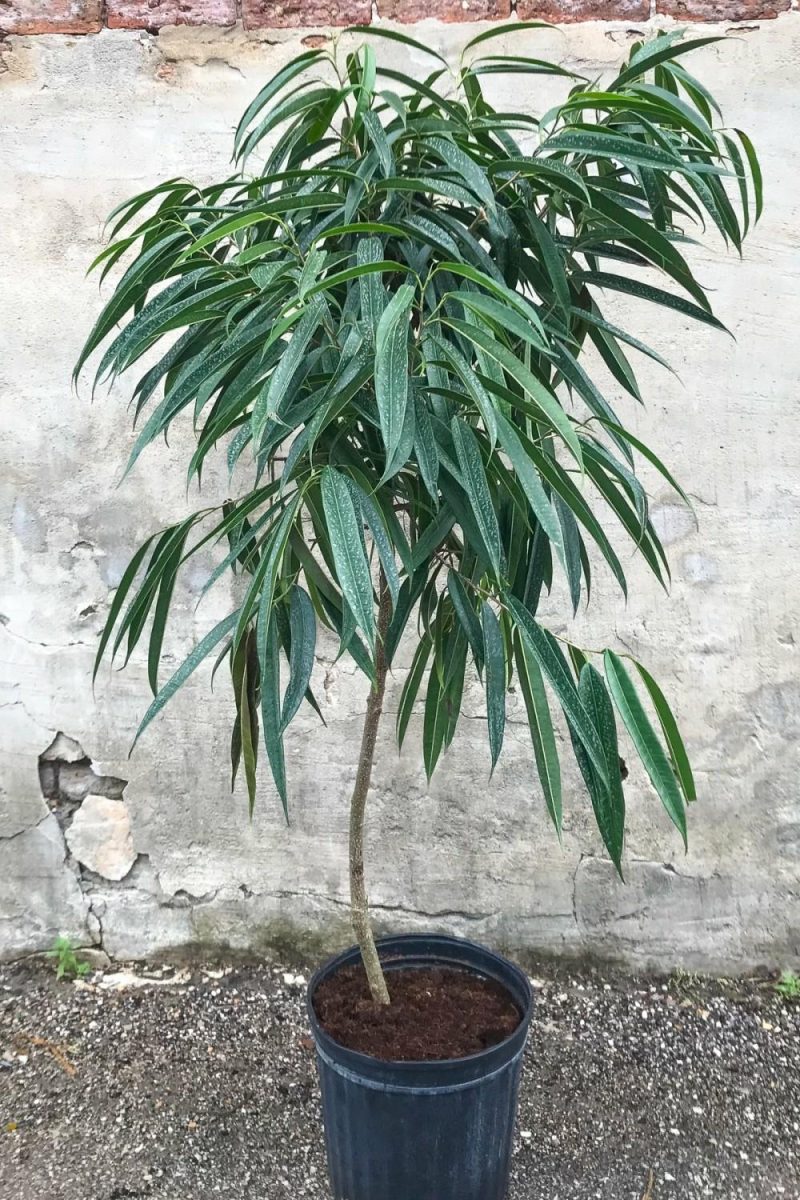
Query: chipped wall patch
x=100, y=837
x=67, y=777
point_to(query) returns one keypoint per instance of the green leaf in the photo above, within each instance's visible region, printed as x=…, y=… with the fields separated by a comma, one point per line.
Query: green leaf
x=278, y=81
x=433, y=725
x=755, y=171
x=572, y=551
x=644, y=291
x=357, y=272
x=303, y=626
x=669, y=727
x=645, y=740
x=269, y=401
x=190, y=664
x=653, y=53
x=394, y=36
x=651, y=457
x=531, y=482
x=262, y=587
x=124, y=587
x=503, y=317
x=466, y=167
x=225, y=229
x=477, y=489
x=473, y=386
x=391, y=368
x=540, y=724
x=425, y=448
x=411, y=688
x=370, y=513
x=552, y=261
x=494, y=658
x=454, y=684
x=346, y=540
x=467, y=616
x=373, y=296
x=607, y=799
x=626, y=150
x=165, y=591
x=544, y=400
x=270, y=667
x=247, y=732
x=543, y=647
x=498, y=289
x=501, y=30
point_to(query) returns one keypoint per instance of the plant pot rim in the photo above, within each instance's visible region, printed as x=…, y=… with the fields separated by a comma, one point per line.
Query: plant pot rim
x=506, y=972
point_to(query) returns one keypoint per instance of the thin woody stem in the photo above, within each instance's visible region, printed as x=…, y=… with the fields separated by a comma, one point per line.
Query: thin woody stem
x=359, y=903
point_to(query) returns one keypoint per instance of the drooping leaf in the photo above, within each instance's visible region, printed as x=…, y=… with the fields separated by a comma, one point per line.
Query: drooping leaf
x=467, y=616
x=189, y=665
x=541, y=729
x=645, y=740
x=391, y=367
x=477, y=488
x=541, y=645
x=495, y=664
x=303, y=626
x=248, y=721
x=672, y=736
x=348, y=552
x=270, y=668
x=411, y=688
x=607, y=798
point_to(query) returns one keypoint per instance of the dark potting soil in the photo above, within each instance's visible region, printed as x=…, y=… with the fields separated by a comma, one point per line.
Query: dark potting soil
x=436, y=1012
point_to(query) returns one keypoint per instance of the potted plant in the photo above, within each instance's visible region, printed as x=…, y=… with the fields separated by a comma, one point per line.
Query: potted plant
x=384, y=324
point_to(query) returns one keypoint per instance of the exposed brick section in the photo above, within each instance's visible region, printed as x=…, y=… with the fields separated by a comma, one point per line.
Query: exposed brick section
x=51, y=16
x=89, y=16
x=287, y=14
x=443, y=10
x=153, y=14
x=723, y=10
x=570, y=11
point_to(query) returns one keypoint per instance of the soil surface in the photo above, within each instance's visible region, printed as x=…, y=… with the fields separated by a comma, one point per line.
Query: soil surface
x=436, y=1012
x=201, y=1085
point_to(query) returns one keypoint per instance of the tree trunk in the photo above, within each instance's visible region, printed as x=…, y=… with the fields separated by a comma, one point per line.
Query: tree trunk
x=359, y=904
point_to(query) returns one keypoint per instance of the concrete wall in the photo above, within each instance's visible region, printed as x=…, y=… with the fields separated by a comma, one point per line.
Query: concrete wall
x=85, y=122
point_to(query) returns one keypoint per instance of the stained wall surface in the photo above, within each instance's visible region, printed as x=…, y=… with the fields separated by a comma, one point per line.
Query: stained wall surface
x=143, y=855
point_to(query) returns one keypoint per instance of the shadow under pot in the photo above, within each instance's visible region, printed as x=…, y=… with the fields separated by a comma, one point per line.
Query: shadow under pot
x=421, y=1128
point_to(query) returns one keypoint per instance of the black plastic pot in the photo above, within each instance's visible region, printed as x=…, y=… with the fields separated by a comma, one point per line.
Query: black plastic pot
x=422, y=1130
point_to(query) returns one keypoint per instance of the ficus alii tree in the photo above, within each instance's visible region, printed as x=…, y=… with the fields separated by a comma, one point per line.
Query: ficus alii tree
x=381, y=318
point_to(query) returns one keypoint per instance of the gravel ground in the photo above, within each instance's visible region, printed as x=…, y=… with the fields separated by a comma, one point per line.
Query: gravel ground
x=201, y=1084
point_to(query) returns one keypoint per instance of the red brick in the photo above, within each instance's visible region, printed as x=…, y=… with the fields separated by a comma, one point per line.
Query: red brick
x=285, y=14
x=568, y=11
x=153, y=14
x=723, y=10
x=443, y=10
x=51, y=16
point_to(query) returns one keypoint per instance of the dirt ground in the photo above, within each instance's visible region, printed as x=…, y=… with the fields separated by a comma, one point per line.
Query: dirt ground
x=195, y=1083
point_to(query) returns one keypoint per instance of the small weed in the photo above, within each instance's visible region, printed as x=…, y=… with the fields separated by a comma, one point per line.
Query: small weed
x=684, y=983
x=68, y=965
x=788, y=986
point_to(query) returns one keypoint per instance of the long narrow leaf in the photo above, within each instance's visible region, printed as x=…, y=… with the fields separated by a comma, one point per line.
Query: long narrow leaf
x=494, y=659
x=645, y=740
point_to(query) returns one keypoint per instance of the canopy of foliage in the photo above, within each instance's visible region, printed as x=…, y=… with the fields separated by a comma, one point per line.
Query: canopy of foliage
x=384, y=324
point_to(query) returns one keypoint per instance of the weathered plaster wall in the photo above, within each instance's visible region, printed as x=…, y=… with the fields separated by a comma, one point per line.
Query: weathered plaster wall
x=84, y=122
